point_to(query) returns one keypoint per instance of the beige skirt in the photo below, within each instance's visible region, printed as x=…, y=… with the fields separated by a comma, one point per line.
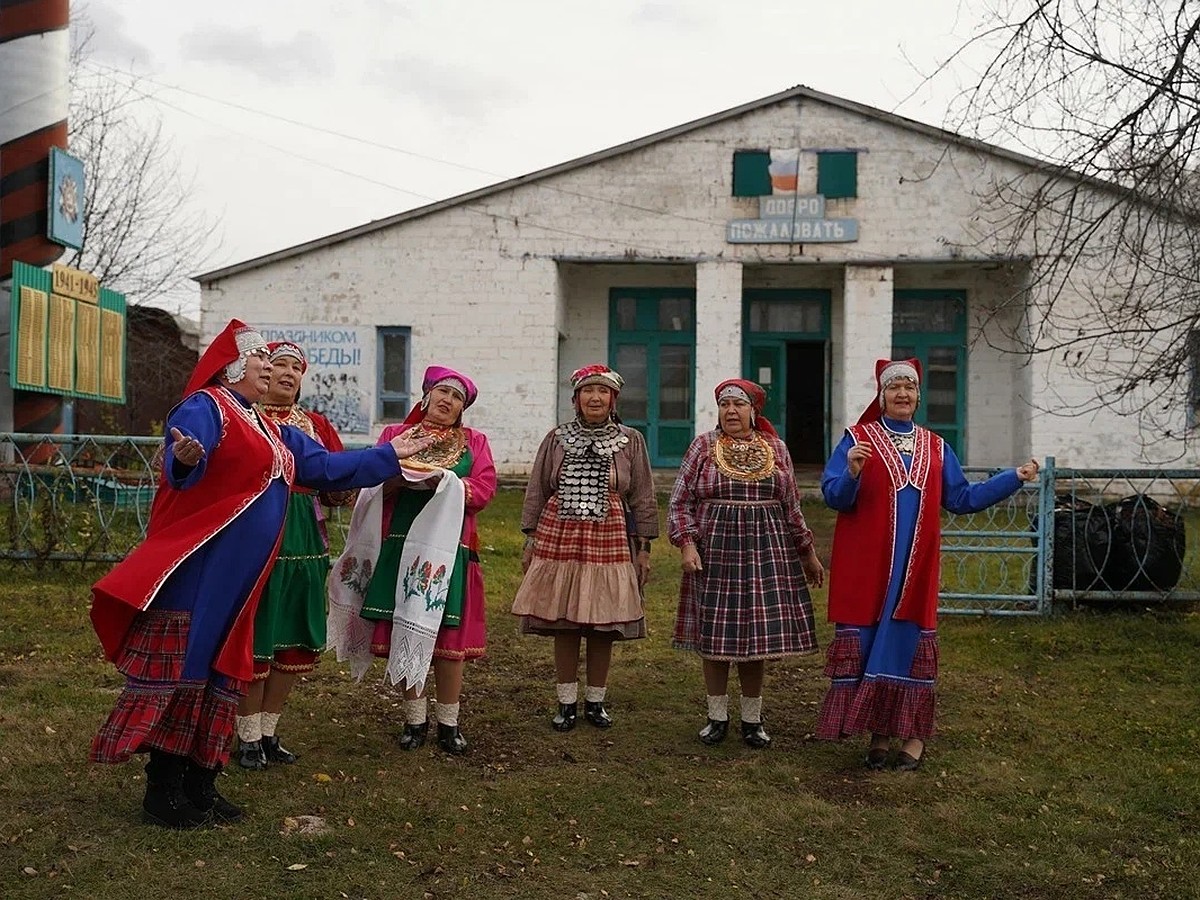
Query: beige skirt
x=581, y=578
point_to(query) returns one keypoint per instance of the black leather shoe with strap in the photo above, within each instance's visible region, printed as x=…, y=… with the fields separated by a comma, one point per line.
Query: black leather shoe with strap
x=595, y=713
x=755, y=736
x=564, y=719
x=413, y=737
x=276, y=753
x=714, y=732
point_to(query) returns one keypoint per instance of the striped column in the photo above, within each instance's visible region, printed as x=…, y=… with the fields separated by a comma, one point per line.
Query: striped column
x=34, y=58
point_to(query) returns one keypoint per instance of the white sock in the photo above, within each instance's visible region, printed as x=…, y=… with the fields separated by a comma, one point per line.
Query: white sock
x=447, y=713
x=594, y=694
x=269, y=721
x=752, y=710
x=718, y=707
x=568, y=692
x=249, y=728
x=416, y=712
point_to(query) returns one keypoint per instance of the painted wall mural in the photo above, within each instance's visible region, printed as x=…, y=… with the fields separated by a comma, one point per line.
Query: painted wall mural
x=340, y=382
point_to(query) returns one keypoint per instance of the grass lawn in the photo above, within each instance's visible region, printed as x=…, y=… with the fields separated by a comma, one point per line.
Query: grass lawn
x=1066, y=766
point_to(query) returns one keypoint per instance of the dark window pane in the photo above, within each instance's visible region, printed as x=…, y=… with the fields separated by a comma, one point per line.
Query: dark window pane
x=837, y=175
x=787, y=315
x=940, y=391
x=394, y=347
x=751, y=173
x=395, y=410
x=627, y=314
x=675, y=382
x=631, y=363
x=940, y=316
x=675, y=314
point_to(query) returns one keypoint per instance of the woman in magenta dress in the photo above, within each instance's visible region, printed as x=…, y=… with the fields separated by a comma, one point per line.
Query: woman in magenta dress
x=463, y=632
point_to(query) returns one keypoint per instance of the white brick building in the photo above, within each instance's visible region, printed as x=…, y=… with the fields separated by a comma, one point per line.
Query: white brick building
x=626, y=256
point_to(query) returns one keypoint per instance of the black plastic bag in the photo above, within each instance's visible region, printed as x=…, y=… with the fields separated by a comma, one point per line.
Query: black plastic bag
x=1148, y=546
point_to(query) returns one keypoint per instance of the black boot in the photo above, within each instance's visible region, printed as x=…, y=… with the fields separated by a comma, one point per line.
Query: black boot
x=594, y=712
x=200, y=787
x=451, y=740
x=250, y=755
x=165, y=803
x=755, y=735
x=413, y=737
x=275, y=752
x=564, y=719
x=714, y=731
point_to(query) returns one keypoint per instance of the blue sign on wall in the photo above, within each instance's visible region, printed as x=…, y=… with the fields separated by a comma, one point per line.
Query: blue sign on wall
x=65, y=221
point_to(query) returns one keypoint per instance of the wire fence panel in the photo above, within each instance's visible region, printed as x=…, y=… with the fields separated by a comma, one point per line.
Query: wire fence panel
x=992, y=559
x=1125, y=535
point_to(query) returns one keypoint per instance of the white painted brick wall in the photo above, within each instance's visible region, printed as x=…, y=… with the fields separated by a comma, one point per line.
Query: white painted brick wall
x=482, y=286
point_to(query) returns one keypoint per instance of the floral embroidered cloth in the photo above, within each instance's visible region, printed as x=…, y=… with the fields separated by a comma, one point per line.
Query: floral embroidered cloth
x=425, y=564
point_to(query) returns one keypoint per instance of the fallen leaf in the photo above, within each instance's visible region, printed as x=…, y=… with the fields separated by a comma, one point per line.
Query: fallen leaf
x=321, y=778
x=296, y=867
x=50, y=730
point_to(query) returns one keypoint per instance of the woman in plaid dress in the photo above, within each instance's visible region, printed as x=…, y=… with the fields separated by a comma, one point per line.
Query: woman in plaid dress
x=589, y=517
x=747, y=556
x=888, y=479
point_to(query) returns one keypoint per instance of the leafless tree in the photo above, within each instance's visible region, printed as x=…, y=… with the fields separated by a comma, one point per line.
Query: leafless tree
x=142, y=235
x=1107, y=92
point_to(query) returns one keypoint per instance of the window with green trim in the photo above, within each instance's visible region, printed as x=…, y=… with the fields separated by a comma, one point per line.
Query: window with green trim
x=751, y=173
x=837, y=174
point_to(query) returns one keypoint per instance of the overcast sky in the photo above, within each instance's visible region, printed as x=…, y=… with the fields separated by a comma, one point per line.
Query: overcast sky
x=464, y=93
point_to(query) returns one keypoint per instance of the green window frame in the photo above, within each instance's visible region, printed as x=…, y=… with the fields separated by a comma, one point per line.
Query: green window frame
x=837, y=174
x=751, y=173
x=941, y=348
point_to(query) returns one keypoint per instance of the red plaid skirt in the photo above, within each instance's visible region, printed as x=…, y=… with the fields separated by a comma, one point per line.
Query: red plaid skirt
x=159, y=711
x=581, y=576
x=881, y=704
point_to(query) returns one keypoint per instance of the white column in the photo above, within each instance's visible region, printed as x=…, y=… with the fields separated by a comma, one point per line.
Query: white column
x=718, y=334
x=865, y=335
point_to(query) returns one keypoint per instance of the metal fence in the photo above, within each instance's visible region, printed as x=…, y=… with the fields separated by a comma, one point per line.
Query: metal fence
x=1075, y=535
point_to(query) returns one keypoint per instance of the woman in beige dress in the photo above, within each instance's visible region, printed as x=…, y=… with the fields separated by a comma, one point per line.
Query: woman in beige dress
x=589, y=517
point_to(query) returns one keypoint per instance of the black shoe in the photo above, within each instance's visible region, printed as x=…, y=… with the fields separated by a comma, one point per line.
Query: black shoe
x=714, y=732
x=564, y=719
x=451, y=740
x=276, y=752
x=595, y=713
x=165, y=803
x=413, y=737
x=755, y=735
x=906, y=762
x=200, y=787
x=876, y=758
x=250, y=755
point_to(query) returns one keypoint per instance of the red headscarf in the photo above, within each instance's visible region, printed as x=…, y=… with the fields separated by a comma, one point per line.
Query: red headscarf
x=900, y=367
x=758, y=399
x=234, y=341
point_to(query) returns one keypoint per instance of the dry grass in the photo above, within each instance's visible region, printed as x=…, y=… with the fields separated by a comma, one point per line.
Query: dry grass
x=1065, y=767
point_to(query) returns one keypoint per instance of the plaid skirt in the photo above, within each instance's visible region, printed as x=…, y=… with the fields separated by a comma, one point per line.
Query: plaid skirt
x=869, y=692
x=750, y=601
x=581, y=577
x=159, y=711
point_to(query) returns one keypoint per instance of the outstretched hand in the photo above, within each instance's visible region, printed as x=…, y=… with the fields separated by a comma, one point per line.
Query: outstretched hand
x=187, y=450
x=406, y=446
x=1029, y=471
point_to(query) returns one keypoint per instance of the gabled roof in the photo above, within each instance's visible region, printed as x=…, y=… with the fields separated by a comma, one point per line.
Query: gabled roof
x=800, y=91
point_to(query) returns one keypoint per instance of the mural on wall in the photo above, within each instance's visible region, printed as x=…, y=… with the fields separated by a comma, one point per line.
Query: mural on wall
x=340, y=380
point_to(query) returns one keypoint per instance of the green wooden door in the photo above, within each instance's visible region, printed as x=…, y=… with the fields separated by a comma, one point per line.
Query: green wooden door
x=652, y=343
x=932, y=326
